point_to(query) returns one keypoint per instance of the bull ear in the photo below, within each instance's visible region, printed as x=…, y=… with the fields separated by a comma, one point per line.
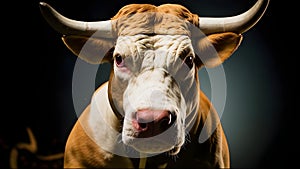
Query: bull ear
x=91, y=50
x=214, y=49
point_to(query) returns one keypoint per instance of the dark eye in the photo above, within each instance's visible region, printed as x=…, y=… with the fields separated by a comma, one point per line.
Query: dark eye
x=119, y=60
x=189, y=61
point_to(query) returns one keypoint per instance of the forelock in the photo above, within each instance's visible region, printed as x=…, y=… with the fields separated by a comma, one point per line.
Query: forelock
x=173, y=9
x=179, y=11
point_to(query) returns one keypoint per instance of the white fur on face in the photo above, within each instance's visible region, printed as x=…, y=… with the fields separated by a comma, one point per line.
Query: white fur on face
x=153, y=76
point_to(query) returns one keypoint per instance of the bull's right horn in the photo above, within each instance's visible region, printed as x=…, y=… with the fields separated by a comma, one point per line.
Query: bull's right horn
x=68, y=26
x=238, y=24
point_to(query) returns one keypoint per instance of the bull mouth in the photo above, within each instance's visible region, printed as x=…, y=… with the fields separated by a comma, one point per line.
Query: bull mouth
x=151, y=145
x=167, y=141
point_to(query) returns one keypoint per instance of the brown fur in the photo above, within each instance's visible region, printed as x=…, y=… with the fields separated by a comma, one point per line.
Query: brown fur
x=174, y=9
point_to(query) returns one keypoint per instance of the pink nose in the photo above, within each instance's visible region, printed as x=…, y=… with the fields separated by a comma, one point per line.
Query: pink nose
x=149, y=123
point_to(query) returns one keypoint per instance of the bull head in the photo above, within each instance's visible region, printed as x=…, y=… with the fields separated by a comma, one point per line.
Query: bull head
x=155, y=54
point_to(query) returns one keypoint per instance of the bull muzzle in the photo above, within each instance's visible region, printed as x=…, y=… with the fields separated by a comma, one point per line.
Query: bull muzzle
x=149, y=123
x=154, y=112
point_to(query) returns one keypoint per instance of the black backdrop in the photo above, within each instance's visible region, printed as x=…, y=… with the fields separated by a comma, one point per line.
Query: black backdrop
x=37, y=78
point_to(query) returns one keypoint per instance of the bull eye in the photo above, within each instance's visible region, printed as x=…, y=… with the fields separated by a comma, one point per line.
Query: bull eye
x=189, y=61
x=119, y=60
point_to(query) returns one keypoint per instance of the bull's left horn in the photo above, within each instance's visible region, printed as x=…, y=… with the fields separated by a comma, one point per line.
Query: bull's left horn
x=68, y=26
x=238, y=24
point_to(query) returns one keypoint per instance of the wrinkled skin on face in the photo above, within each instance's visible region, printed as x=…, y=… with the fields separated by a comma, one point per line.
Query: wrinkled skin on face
x=155, y=73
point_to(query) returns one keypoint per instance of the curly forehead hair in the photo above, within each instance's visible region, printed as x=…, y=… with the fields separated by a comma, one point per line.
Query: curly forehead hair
x=174, y=9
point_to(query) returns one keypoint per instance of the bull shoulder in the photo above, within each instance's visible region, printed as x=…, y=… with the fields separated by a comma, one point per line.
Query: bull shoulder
x=78, y=153
x=87, y=153
x=215, y=149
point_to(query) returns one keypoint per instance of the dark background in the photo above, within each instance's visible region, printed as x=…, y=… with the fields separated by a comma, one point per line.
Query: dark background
x=261, y=108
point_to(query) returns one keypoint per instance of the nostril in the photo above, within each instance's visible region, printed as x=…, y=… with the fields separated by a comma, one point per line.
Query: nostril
x=139, y=126
x=166, y=122
x=143, y=125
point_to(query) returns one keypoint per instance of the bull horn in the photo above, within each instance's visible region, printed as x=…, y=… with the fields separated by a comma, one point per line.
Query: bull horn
x=68, y=26
x=238, y=24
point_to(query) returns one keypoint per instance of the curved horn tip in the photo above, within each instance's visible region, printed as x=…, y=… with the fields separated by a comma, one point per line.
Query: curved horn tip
x=69, y=26
x=43, y=3
x=238, y=23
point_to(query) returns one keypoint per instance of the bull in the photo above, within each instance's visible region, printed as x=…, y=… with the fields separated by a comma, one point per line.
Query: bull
x=151, y=111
